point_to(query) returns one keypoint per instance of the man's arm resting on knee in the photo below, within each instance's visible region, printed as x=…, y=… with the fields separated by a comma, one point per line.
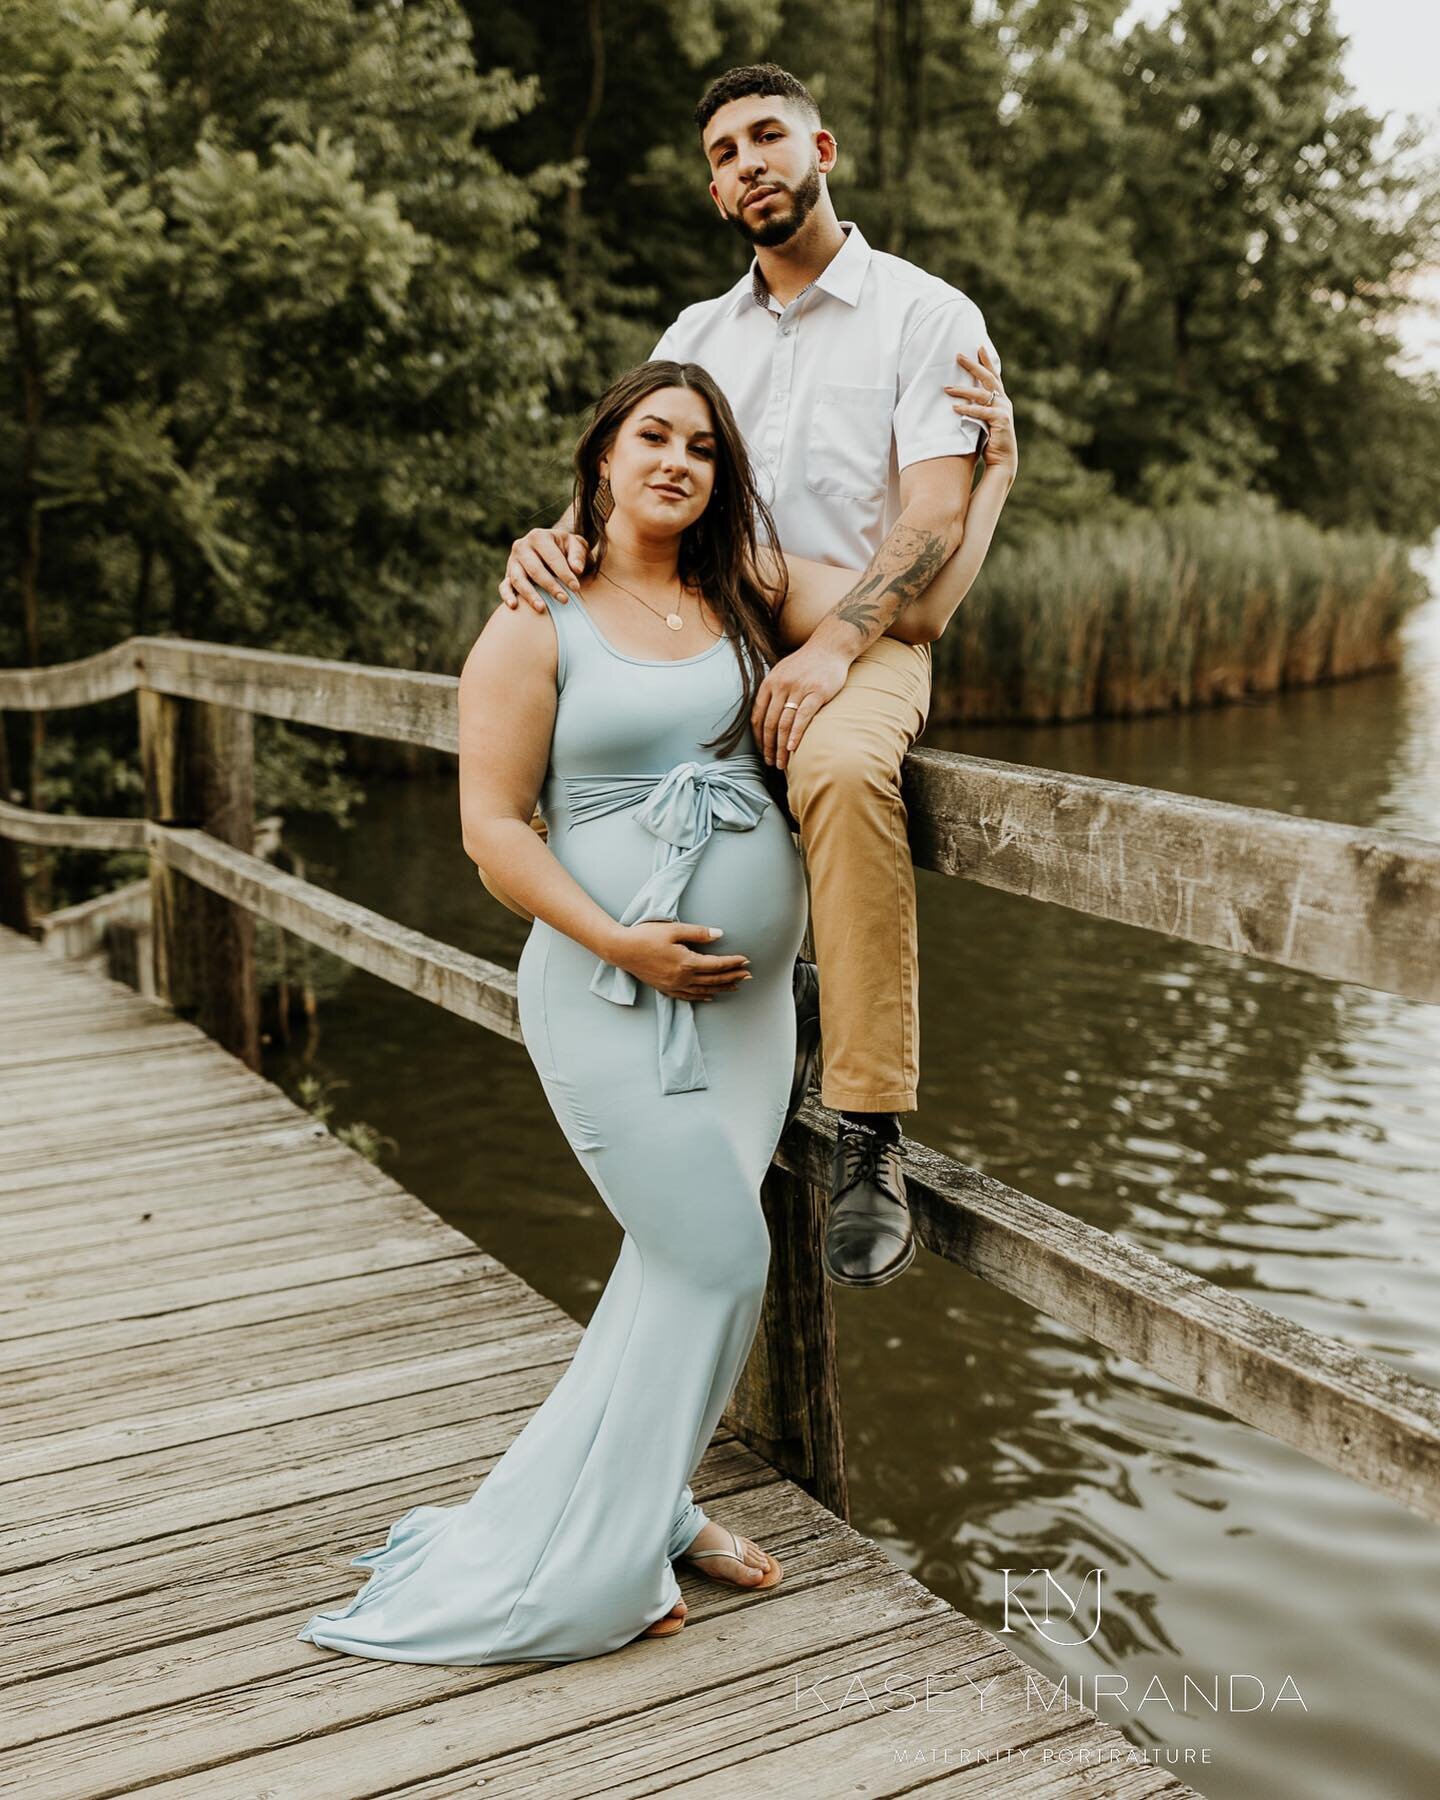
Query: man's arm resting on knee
x=924, y=621
x=814, y=589
x=935, y=496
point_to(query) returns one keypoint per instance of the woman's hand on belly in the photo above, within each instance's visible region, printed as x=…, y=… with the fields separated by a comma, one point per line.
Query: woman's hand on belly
x=656, y=952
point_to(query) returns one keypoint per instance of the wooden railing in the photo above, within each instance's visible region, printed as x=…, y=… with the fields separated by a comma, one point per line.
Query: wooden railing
x=1352, y=904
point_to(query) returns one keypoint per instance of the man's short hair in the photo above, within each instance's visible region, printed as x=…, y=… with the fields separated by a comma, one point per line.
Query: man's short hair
x=757, y=79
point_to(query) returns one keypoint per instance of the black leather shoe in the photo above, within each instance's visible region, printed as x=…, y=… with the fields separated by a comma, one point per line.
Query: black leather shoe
x=869, y=1237
x=807, y=1036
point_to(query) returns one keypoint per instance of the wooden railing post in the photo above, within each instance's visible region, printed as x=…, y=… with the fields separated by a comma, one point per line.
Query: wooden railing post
x=787, y=1402
x=197, y=760
x=14, y=908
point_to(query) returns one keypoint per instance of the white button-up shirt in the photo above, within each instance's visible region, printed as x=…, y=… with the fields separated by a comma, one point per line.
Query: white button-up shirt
x=840, y=390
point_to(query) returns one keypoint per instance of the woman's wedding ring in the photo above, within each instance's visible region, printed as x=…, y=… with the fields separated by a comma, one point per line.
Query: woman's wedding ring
x=789, y=706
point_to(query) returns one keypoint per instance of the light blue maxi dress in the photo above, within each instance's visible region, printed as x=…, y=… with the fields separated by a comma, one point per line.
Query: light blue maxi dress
x=565, y=1549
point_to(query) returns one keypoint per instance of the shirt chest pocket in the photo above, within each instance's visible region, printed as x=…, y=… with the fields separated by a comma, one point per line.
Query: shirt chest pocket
x=847, y=455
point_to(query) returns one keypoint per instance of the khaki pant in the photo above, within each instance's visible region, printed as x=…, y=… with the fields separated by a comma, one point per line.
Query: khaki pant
x=844, y=783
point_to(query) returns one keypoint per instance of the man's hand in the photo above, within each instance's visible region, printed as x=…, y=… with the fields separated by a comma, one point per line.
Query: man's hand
x=545, y=558
x=791, y=695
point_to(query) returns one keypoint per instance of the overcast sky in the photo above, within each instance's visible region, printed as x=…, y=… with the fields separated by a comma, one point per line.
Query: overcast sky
x=1391, y=62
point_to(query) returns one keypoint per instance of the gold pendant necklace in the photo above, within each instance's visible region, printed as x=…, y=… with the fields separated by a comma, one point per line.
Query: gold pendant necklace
x=672, y=619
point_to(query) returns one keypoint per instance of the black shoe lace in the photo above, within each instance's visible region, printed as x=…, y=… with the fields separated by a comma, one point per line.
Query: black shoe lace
x=864, y=1150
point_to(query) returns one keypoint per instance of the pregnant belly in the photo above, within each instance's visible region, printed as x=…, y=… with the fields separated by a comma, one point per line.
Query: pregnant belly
x=749, y=883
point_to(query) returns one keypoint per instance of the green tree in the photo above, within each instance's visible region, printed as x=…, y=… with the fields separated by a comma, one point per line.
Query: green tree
x=1272, y=239
x=636, y=236
x=274, y=357
x=76, y=232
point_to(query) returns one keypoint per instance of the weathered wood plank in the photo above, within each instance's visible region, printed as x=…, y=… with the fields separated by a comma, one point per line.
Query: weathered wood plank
x=60, y=685
x=765, y=1743
x=397, y=704
x=140, y=1596
x=330, y=1293
x=393, y=1727
x=22, y=826
x=25, y=1089
x=224, y=1239
x=249, y=1191
x=503, y=1344
x=103, y=1087
x=204, y=1117
x=196, y=1118
x=1355, y=905
x=466, y=985
x=83, y=929
x=133, y=1632
x=252, y=1473
x=232, y=1180
x=275, y=1353
x=66, y=1174
x=231, y=1284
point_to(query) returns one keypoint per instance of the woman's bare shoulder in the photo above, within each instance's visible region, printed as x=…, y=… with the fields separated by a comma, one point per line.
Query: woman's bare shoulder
x=516, y=643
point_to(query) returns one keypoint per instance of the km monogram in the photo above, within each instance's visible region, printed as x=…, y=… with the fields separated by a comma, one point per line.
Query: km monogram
x=1052, y=1587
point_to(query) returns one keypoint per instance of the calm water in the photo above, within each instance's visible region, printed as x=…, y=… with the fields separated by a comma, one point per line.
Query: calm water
x=1275, y=1133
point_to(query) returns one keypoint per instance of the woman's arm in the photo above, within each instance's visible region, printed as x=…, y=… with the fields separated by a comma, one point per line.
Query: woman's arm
x=507, y=719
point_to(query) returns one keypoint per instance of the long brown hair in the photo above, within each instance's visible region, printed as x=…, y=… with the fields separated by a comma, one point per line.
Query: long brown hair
x=719, y=551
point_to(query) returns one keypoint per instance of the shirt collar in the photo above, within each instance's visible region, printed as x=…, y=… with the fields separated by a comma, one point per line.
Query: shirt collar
x=844, y=274
x=842, y=277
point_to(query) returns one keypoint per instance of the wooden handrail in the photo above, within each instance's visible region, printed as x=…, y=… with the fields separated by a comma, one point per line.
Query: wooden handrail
x=69, y=830
x=1341, y=901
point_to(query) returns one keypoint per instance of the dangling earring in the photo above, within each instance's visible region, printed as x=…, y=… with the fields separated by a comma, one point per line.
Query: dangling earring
x=604, y=499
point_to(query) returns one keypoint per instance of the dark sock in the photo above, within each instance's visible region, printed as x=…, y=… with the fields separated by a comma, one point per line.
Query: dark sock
x=885, y=1125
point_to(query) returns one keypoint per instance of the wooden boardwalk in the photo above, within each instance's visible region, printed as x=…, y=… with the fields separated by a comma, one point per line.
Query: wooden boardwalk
x=232, y=1353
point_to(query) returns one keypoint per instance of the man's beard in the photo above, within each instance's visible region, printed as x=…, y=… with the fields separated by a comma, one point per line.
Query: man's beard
x=779, y=228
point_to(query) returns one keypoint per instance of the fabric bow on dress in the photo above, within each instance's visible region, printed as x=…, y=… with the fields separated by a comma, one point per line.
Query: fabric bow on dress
x=682, y=809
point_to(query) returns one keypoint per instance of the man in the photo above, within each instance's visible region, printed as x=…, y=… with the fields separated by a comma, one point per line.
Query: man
x=834, y=358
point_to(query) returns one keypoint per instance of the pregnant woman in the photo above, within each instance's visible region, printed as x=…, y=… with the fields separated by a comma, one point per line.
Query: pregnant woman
x=626, y=712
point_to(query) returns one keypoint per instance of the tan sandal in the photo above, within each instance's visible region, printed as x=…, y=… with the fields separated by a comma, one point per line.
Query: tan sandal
x=667, y=1625
x=772, y=1574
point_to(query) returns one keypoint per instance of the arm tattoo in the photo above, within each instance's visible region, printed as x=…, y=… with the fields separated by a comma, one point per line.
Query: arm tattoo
x=903, y=567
